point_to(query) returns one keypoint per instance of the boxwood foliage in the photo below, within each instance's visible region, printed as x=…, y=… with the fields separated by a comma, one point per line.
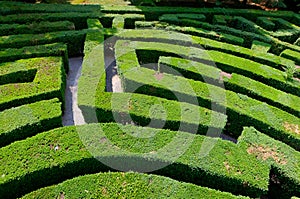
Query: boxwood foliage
x=283, y=159
x=234, y=82
x=292, y=55
x=74, y=39
x=226, y=62
x=127, y=185
x=56, y=155
x=34, y=28
x=7, y=8
x=47, y=77
x=79, y=19
x=46, y=50
x=102, y=106
x=241, y=110
x=27, y=120
x=192, y=31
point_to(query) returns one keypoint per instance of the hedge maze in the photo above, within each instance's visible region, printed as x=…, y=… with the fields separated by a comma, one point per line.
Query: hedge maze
x=207, y=104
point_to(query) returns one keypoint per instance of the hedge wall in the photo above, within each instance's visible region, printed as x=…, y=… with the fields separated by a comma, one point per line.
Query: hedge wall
x=54, y=156
x=27, y=120
x=128, y=185
x=283, y=159
x=48, y=81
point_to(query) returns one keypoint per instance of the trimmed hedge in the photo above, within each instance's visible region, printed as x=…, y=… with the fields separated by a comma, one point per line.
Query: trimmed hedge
x=34, y=28
x=185, y=40
x=260, y=46
x=292, y=55
x=226, y=62
x=236, y=83
x=127, y=185
x=7, y=8
x=104, y=106
x=55, y=49
x=56, y=155
x=74, y=40
x=27, y=120
x=266, y=23
x=79, y=19
x=192, y=31
x=129, y=19
x=48, y=81
x=241, y=110
x=283, y=159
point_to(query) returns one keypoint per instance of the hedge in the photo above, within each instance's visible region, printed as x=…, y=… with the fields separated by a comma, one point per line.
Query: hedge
x=260, y=46
x=153, y=13
x=129, y=19
x=56, y=155
x=79, y=19
x=48, y=81
x=241, y=110
x=283, y=159
x=98, y=105
x=34, y=28
x=236, y=82
x=192, y=31
x=209, y=44
x=127, y=185
x=292, y=55
x=55, y=49
x=226, y=62
x=30, y=119
x=266, y=23
x=7, y=8
x=74, y=40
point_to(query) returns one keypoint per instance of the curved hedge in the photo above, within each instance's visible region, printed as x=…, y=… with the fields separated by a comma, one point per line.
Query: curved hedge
x=59, y=154
x=128, y=185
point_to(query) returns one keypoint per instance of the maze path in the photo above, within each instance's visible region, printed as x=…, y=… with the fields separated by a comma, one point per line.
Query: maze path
x=250, y=46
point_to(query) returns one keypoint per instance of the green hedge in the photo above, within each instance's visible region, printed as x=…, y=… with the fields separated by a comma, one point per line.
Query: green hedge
x=292, y=55
x=127, y=185
x=260, y=46
x=104, y=104
x=48, y=81
x=129, y=19
x=55, y=49
x=283, y=159
x=74, y=40
x=7, y=8
x=209, y=44
x=236, y=83
x=226, y=62
x=192, y=31
x=79, y=19
x=34, y=28
x=56, y=155
x=27, y=120
x=265, y=22
x=241, y=110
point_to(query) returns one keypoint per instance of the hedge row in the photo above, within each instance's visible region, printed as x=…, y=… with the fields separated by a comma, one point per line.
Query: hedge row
x=79, y=19
x=234, y=82
x=154, y=35
x=27, y=120
x=266, y=23
x=283, y=159
x=56, y=155
x=260, y=46
x=226, y=62
x=55, y=49
x=48, y=81
x=292, y=55
x=34, y=28
x=74, y=40
x=99, y=105
x=129, y=19
x=7, y=8
x=127, y=185
x=153, y=13
x=192, y=31
x=241, y=110
x=246, y=36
